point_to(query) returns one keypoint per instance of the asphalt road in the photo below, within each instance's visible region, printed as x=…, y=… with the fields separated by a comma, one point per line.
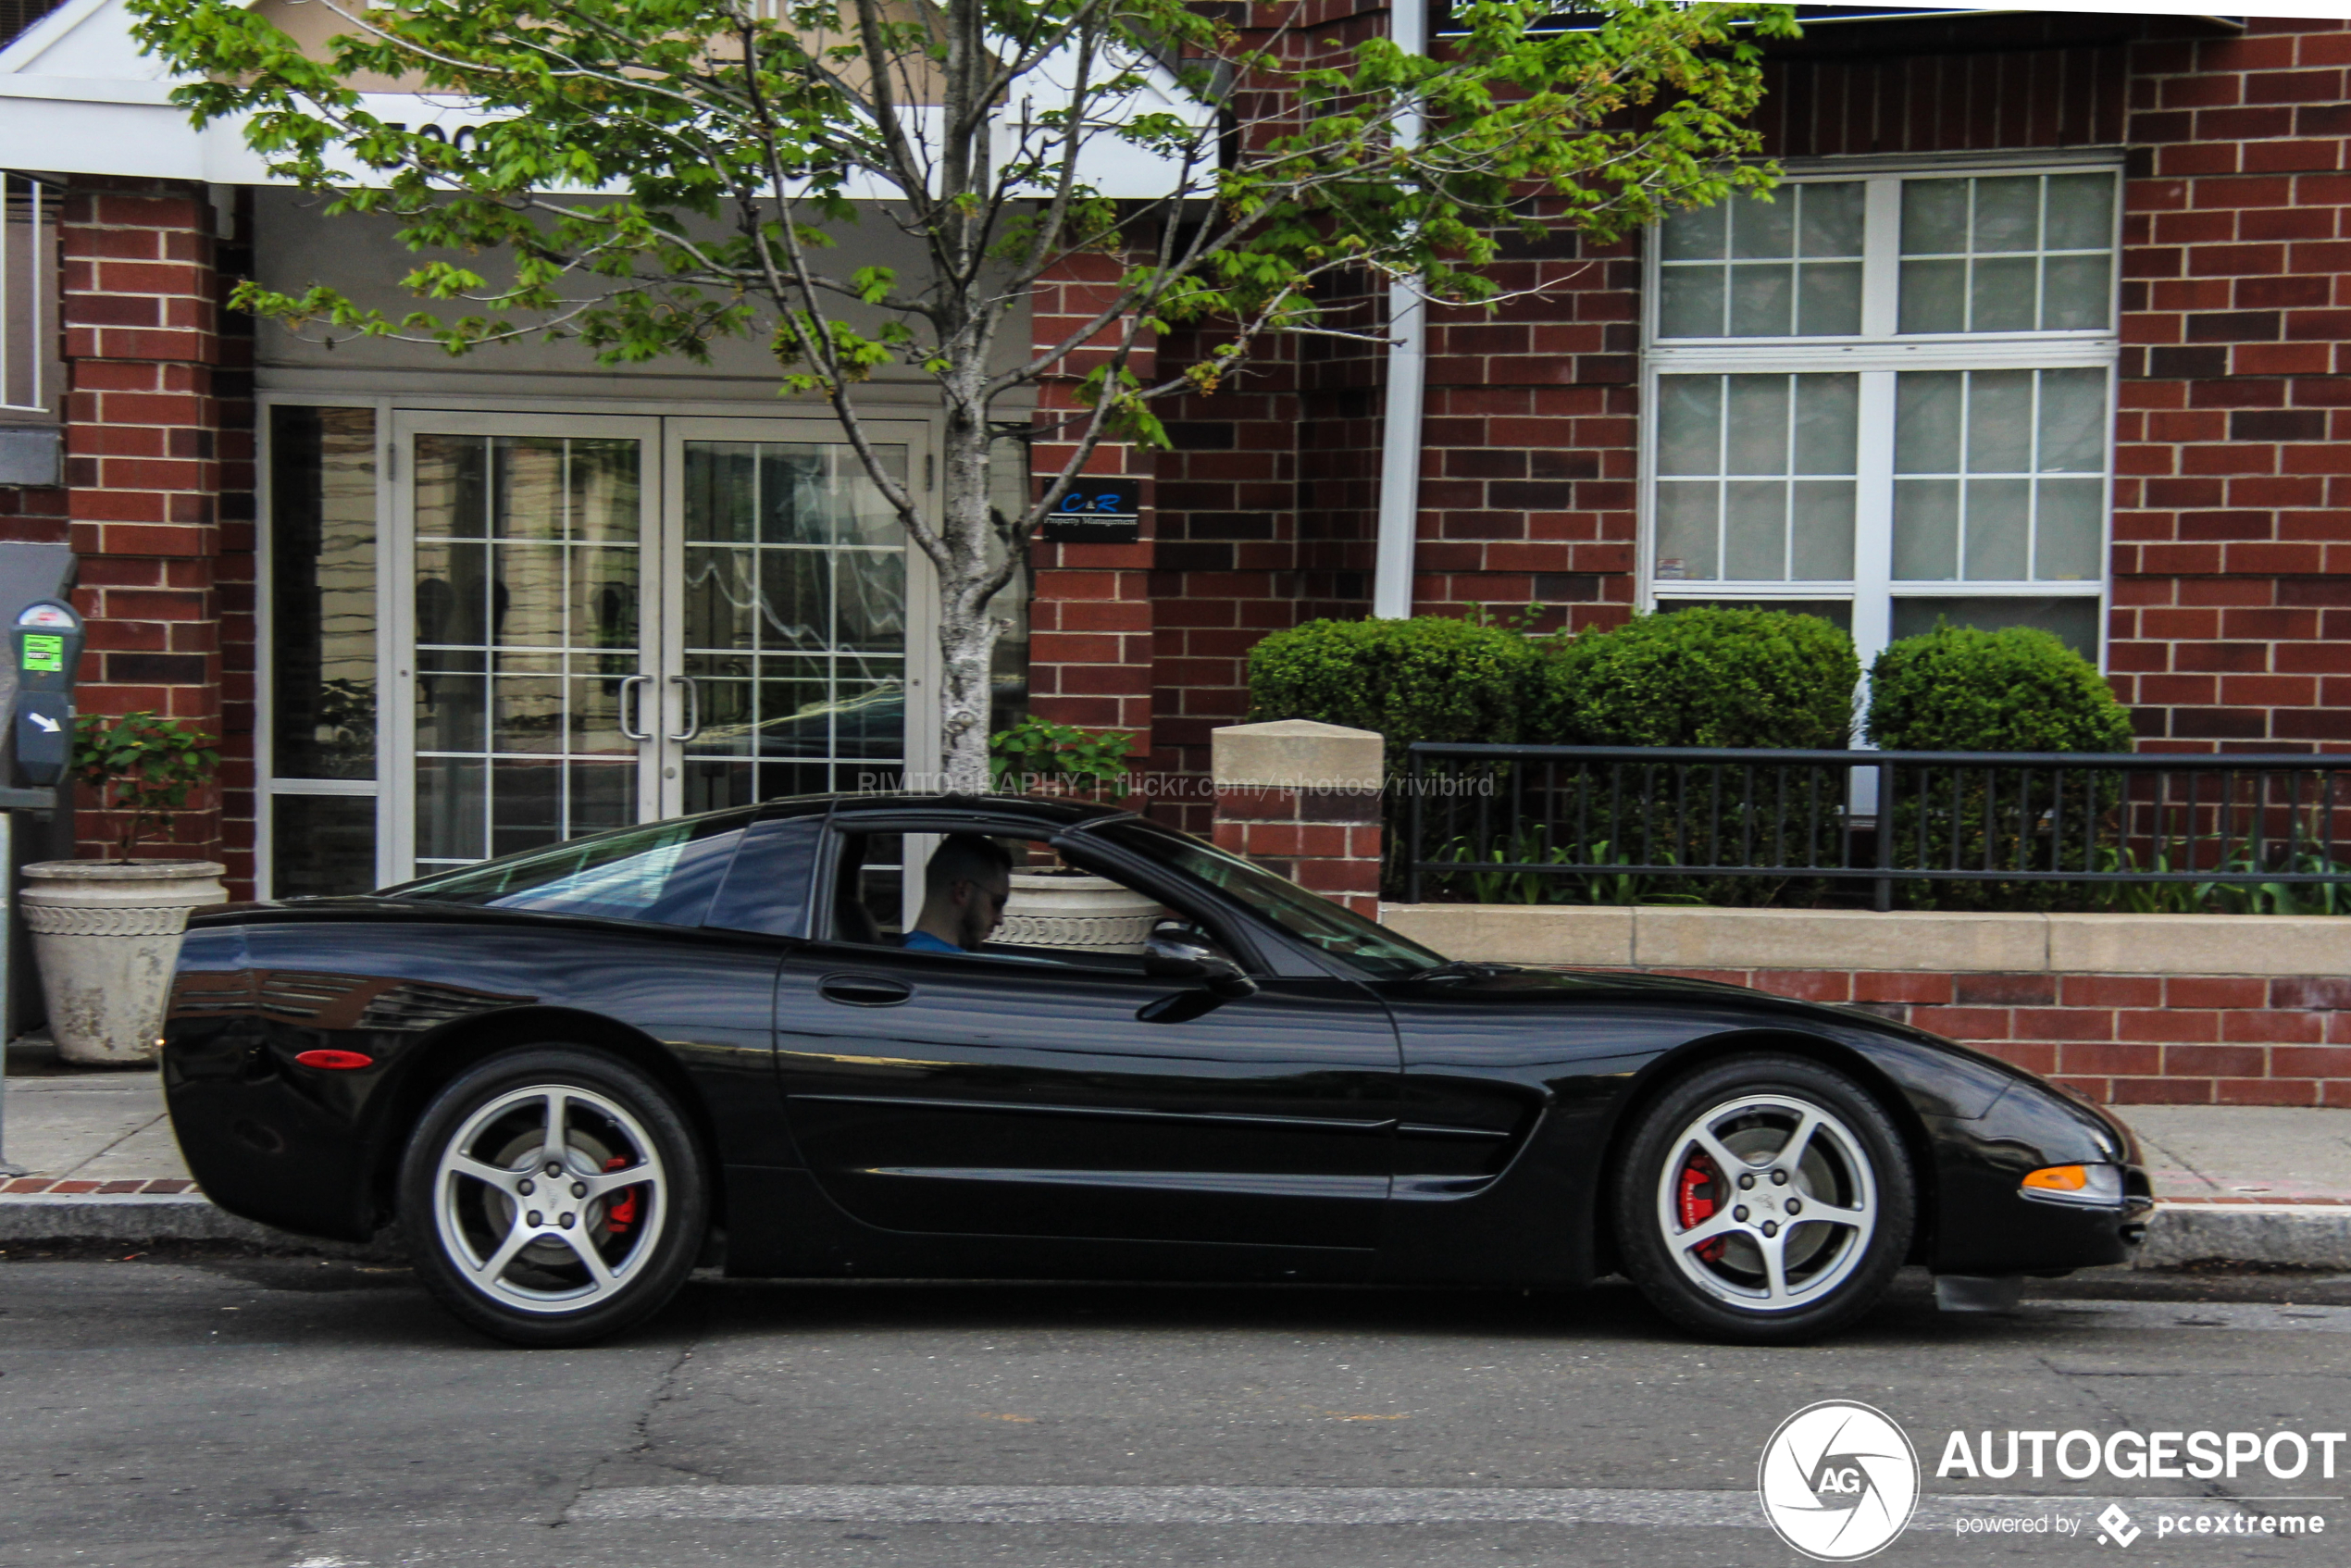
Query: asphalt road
x=277, y=1411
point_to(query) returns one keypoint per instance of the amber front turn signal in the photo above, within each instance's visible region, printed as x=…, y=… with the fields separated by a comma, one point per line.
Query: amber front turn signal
x=2095, y=1185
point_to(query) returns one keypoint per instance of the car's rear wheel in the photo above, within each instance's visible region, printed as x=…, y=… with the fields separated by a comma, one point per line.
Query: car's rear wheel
x=552, y=1196
x=1767, y=1199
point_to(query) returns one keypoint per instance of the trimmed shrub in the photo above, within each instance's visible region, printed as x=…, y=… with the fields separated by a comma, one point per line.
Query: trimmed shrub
x=1702, y=677
x=1431, y=677
x=1961, y=688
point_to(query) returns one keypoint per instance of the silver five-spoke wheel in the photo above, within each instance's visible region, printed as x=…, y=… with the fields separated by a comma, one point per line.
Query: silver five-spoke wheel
x=1765, y=1198
x=1767, y=1201
x=553, y=1195
x=545, y=1198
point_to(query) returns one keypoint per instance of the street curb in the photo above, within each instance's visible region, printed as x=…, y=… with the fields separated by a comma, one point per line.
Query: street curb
x=2301, y=1235
x=2295, y=1235
x=135, y=1218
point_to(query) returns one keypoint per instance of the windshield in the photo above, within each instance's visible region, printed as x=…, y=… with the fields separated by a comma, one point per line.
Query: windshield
x=1330, y=926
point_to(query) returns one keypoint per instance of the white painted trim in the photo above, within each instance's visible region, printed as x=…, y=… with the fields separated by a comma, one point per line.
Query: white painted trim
x=1396, y=553
x=46, y=34
x=2039, y=160
x=356, y=788
x=2038, y=350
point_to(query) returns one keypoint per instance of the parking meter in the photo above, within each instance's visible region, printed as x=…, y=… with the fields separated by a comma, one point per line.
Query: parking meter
x=35, y=823
x=48, y=644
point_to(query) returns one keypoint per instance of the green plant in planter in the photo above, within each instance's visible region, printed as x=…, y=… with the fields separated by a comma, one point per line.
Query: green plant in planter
x=141, y=764
x=1059, y=757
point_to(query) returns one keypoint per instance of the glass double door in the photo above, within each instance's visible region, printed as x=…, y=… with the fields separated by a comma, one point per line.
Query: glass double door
x=608, y=620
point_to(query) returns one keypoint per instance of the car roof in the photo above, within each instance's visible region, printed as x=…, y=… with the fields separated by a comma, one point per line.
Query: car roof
x=1046, y=811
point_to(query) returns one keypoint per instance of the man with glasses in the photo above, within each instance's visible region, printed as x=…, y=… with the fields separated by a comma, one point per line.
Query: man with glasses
x=965, y=888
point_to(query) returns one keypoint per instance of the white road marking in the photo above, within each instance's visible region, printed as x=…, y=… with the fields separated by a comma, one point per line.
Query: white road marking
x=879, y=1504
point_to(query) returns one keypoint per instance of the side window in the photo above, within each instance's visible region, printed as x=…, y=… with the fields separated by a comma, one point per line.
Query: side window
x=767, y=888
x=1004, y=897
x=665, y=874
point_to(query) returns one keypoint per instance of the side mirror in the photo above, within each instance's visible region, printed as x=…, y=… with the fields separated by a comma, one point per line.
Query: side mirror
x=1175, y=952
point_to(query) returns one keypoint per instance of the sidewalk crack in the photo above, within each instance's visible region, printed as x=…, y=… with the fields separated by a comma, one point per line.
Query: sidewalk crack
x=94, y=1159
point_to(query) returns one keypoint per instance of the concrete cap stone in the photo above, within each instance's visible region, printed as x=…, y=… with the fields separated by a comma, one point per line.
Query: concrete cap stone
x=1297, y=754
x=1593, y=936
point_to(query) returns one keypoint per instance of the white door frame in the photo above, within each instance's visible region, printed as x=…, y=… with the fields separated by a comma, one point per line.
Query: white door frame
x=396, y=818
x=922, y=577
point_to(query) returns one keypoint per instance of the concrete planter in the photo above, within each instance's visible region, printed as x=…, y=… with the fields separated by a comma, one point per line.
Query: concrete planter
x=1058, y=908
x=107, y=937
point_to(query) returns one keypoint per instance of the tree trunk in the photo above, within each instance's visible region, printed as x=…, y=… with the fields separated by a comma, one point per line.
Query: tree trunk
x=967, y=631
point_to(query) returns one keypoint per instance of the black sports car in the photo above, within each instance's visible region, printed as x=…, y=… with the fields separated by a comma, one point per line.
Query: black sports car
x=570, y=1074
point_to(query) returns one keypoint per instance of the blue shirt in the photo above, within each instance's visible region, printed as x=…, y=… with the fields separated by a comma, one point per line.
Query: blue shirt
x=923, y=941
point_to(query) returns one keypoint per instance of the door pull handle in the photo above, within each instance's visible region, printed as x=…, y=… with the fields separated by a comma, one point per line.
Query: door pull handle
x=693, y=708
x=628, y=688
x=863, y=990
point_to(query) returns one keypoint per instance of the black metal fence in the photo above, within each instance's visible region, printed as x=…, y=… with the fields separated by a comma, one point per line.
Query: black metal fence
x=2264, y=834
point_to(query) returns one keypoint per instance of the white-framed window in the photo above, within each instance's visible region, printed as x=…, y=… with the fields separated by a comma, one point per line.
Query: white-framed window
x=321, y=647
x=1886, y=396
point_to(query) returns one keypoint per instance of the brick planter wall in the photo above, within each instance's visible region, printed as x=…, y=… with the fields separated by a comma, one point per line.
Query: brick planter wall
x=2128, y=1039
x=2163, y=1009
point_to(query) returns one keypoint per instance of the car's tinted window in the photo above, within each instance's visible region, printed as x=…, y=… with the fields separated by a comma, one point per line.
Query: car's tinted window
x=665, y=874
x=1330, y=926
x=766, y=889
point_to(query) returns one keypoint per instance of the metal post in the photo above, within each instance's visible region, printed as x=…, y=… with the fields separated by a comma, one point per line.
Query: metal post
x=1885, y=834
x=8, y=986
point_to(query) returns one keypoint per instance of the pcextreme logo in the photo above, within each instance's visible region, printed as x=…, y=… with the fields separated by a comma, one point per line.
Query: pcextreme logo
x=1838, y=1481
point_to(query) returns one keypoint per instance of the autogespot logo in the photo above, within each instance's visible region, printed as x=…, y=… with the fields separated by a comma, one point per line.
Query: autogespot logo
x=1838, y=1481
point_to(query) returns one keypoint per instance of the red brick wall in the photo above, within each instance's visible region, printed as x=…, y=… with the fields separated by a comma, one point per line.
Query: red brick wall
x=1529, y=442
x=2231, y=625
x=1090, y=612
x=32, y=514
x=1267, y=513
x=1326, y=841
x=2231, y=584
x=1267, y=499
x=147, y=464
x=2129, y=1039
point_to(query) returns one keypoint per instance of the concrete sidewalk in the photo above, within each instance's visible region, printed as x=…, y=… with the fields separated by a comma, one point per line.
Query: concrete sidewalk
x=2241, y=1184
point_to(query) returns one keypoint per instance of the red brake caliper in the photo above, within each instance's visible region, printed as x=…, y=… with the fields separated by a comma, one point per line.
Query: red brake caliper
x=1697, y=1196
x=622, y=1212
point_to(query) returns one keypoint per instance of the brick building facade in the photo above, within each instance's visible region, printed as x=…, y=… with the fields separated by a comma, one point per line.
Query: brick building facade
x=2220, y=595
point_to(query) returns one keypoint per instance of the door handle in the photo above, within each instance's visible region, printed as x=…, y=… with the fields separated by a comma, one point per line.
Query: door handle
x=626, y=687
x=693, y=708
x=863, y=990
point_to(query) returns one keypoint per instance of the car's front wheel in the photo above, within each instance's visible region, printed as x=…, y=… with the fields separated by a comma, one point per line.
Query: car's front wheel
x=552, y=1196
x=1767, y=1199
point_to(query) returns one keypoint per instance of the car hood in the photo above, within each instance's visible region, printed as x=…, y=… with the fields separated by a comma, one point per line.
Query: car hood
x=1512, y=985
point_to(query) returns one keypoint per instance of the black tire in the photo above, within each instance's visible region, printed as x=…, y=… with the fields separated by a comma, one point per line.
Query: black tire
x=498, y=1236
x=1743, y=1112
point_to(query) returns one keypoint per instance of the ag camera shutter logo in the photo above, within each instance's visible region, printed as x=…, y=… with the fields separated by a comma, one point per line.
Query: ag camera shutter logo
x=1838, y=1481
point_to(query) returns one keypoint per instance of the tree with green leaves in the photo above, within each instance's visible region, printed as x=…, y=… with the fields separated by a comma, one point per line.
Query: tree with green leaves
x=659, y=174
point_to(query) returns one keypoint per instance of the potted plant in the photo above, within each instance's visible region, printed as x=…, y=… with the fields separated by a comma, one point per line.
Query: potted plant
x=106, y=933
x=1060, y=905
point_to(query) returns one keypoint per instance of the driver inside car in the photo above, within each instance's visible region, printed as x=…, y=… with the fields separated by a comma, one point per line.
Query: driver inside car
x=965, y=888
